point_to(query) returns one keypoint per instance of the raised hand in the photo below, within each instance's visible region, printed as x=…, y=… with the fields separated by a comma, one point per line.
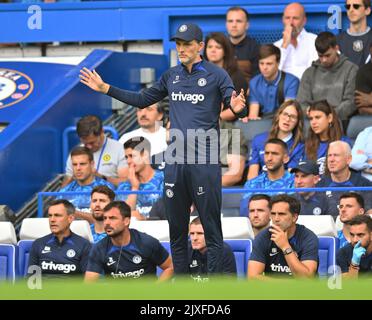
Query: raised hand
x=279, y=236
x=237, y=102
x=358, y=253
x=93, y=80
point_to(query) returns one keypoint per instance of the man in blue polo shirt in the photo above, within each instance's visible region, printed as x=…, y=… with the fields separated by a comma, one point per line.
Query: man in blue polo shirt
x=276, y=155
x=126, y=253
x=196, y=89
x=306, y=175
x=61, y=253
x=268, y=90
x=285, y=248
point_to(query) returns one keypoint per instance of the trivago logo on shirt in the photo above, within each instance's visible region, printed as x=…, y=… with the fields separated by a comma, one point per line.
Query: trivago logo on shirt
x=130, y=274
x=279, y=268
x=64, y=267
x=194, y=98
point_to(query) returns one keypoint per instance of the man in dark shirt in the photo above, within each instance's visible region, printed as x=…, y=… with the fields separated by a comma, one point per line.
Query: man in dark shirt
x=196, y=89
x=340, y=175
x=286, y=248
x=363, y=87
x=198, y=257
x=356, y=258
x=355, y=41
x=245, y=47
x=126, y=253
x=306, y=176
x=61, y=253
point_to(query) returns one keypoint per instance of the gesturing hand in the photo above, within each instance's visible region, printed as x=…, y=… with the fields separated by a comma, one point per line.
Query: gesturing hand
x=93, y=80
x=358, y=253
x=237, y=102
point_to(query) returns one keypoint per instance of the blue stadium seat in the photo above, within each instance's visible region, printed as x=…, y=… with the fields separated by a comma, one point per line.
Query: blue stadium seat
x=8, y=253
x=242, y=249
x=327, y=255
x=24, y=247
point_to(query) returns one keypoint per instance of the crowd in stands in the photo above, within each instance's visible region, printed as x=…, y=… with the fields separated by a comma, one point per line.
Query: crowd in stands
x=321, y=79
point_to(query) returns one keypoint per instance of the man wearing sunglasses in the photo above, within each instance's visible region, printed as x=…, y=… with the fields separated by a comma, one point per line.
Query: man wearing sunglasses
x=354, y=43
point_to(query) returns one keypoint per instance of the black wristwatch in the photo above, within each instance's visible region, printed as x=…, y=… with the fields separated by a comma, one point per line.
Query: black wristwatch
x=104, y=177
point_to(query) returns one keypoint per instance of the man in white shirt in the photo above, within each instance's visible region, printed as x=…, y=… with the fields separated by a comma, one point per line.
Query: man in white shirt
x=149, y=120
x=297, y=45
x=108, y=154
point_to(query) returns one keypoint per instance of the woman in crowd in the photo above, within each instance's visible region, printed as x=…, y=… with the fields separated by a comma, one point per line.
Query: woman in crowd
x=219, y=51
x=325, y=127
x=288, y=124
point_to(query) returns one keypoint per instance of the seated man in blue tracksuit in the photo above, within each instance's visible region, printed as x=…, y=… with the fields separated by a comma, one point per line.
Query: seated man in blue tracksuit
x=61, y=253
x=198, y=258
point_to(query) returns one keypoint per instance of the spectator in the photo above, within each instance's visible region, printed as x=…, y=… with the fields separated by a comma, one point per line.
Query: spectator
x=141, y=177
x=338, y=160
x=84, y=179
x=61, y=253
x=355, y=258
x=259, y=212
x=355, y=41
x=297, y=45
x=219, y=51
x=351, y=205
x=245, y=47
x=306, y=175
x=286, y=248
x=269, y=89
x=126, y=253
x=233, y=154
x=198, y=254
x=324, y=128
x=362, y=153
x=363, y=86
x=108, y=154
x=288, y=126
x=149, y=119
x=276, y=155
x=331, y=78
x=100, y=196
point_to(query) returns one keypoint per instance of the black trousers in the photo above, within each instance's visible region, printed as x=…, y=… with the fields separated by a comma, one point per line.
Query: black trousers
x=200, y=184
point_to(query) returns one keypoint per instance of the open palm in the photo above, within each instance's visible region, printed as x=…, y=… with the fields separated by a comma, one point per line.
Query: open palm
x=93, y=80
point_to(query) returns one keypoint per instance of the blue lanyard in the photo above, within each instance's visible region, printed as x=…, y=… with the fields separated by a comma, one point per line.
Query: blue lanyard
x=100, y=156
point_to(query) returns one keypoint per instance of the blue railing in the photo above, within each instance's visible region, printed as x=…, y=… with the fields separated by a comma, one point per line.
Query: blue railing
x=224, y=190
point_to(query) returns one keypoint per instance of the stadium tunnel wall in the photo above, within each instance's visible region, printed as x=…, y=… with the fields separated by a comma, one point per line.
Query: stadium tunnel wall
x=31, y=143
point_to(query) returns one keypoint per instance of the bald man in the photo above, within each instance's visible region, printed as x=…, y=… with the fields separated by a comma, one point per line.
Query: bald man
x=297, y=45
x=338, y=160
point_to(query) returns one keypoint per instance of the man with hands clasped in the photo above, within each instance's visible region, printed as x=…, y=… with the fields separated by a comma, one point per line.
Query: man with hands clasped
x=356, y=257
x=285, y=248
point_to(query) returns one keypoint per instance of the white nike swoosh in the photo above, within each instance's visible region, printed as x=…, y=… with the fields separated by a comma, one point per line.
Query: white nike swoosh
x=110, y=263
x=43, y=251
x=273, y=254
x=200, y=193
x=176, y=81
